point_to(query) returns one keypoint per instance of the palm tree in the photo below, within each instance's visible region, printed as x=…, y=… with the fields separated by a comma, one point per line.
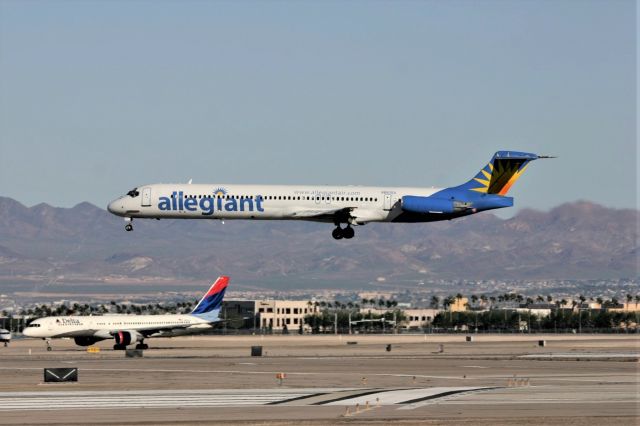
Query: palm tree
x=549, y=298
x=474, y=299
x=435, y=302
x=539, y=298
x=381, y=302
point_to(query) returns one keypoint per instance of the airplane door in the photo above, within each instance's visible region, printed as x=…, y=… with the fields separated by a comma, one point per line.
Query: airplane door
x=387, y=201
x=328, y=199
x=317, y=196
x=146, y=197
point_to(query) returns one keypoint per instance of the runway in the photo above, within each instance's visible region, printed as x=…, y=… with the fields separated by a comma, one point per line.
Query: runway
x=494, y=380
x=76, y=400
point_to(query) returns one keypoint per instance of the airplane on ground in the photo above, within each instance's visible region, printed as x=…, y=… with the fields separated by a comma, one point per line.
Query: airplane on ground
x=5, y=337
x=349, y=205
x=130, y=329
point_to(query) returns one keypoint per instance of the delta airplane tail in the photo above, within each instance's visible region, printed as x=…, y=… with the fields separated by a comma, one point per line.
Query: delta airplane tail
x=209, y=306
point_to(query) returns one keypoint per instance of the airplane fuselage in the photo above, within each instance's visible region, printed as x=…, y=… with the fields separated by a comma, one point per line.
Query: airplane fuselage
x=103, y=326
x=350, y=205
x=270, y=202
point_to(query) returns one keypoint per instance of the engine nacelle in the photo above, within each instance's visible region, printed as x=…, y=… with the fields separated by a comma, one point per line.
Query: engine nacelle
x=414, y=204
x=86, y=340
x=124, y=338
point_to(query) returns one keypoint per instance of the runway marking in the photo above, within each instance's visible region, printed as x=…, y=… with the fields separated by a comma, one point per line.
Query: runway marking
x=443, y=396
x=79, y=400
x=399, y=396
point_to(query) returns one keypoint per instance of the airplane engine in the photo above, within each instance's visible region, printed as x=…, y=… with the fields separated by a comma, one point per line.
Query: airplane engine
x=124, y=338
x=414, y=204
x=86, y=340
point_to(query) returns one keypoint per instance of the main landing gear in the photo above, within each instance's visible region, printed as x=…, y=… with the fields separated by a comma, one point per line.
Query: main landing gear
x=340, y=233
x=49, y=345
x=129, y=224
x=140, y=345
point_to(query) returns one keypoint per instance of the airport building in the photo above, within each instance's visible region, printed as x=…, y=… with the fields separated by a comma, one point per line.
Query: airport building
x=414, y=318
x=276, y=315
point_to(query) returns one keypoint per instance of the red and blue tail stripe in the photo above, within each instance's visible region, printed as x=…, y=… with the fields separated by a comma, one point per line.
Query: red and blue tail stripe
x=212, y=300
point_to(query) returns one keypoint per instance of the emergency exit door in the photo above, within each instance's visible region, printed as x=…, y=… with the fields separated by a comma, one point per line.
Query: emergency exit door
x=146, y=197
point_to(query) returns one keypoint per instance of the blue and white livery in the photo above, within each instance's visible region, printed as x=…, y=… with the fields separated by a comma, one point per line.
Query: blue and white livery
x=340, y=205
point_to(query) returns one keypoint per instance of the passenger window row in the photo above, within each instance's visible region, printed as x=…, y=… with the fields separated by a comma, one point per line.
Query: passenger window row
x=284, y=197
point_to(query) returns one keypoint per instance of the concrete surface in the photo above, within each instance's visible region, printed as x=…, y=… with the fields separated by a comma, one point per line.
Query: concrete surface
x=496, y=379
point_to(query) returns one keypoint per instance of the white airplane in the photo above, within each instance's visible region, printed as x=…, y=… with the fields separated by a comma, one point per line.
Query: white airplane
x=349, y=205
x=130, y=329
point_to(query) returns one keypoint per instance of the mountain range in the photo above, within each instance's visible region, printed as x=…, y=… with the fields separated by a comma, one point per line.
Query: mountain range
x=579, y=240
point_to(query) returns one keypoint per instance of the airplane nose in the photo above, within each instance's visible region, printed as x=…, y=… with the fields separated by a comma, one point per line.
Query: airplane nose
x=114, y=208
x=27, y=332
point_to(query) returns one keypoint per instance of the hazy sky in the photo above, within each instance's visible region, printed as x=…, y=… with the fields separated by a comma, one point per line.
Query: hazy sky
x=98, y=97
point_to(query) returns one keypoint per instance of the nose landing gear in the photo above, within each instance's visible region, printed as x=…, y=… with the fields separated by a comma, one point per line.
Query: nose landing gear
x=340, y=233
x=129, y=224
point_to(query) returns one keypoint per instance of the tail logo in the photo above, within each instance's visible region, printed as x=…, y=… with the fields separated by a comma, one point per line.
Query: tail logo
x=499, y=175
x=212, y=300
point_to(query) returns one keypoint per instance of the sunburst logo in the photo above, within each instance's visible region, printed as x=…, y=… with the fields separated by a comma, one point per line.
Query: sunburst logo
x=483, y=178
x=500, y=176
x=219, y=192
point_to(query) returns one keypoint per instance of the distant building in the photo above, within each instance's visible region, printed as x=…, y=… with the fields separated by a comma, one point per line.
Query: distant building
x=273, y=314
x=414, y=318
x=419, y=318
x=625, y=307
x=459, y=305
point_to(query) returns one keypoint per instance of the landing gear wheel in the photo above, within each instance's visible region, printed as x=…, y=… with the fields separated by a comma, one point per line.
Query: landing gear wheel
x=337, y=233
x=348, y=232
x=119, y=347
x=128, y=227
x=142, y=346
x=49, y=346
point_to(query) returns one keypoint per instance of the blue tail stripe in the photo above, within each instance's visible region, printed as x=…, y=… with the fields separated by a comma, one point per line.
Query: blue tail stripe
x=210, y=303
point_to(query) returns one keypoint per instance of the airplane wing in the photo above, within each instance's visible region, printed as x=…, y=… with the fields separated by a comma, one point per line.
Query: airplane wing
x=322, y=212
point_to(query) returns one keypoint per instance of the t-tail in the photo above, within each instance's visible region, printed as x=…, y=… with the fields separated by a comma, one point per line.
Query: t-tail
x=487, y=190
x=209, y=306
x=504, y=169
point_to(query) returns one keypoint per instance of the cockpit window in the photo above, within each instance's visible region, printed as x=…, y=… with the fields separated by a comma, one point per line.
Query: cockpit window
x=133, y=193
x=33, y=325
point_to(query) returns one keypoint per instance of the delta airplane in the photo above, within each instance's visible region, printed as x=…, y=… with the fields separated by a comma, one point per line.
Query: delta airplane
x=348, y=205
x=130, y=329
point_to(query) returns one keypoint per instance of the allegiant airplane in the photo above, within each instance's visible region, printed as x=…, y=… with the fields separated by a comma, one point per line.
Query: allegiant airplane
x=132, y=329
x=340, y=205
